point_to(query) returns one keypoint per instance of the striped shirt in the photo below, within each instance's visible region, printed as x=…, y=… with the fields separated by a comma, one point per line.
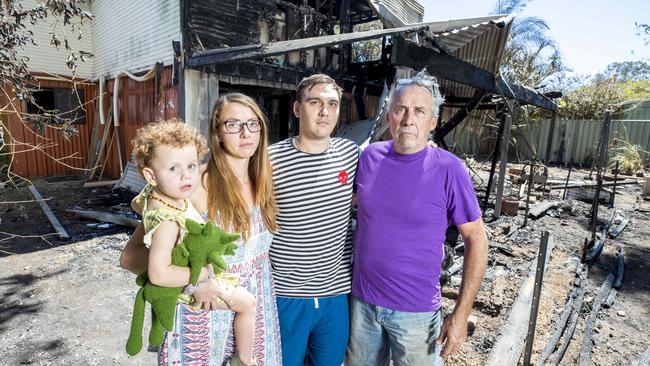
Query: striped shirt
x=312, y=249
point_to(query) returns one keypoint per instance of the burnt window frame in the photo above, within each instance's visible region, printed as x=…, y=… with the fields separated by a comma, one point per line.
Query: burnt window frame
x=68, y=101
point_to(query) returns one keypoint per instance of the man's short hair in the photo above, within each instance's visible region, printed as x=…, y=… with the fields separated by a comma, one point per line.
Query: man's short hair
x=309, y=82
x=424, y=80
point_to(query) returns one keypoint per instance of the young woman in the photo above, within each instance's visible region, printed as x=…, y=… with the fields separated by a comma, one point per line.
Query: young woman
x=237, y=195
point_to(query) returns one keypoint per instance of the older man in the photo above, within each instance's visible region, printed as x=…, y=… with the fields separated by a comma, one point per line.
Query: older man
x=407, y=194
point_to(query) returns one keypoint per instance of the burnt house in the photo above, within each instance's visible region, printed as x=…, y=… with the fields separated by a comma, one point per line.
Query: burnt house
x=289, y=40
x=167, y=58
x=247, y=26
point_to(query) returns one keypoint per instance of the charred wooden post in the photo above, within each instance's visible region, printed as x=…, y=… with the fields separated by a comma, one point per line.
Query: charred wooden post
x=599, y=163
x=505, y=144
x=614, y=188
x=530, y=188
x=566, y=184
x=495, y=155
x=621, y=267
x=594, y=207
x=539, y=279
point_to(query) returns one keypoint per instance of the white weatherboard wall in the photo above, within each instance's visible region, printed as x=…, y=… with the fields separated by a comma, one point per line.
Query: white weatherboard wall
x=46, y=58
x=133, y=35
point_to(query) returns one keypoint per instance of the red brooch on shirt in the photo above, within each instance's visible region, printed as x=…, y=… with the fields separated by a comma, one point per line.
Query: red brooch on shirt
x=343, y=177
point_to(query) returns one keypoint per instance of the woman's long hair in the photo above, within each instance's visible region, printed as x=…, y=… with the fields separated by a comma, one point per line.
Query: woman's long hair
x=226, y=202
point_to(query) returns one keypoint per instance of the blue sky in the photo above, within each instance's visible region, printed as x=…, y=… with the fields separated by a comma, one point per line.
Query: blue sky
x=590, y=33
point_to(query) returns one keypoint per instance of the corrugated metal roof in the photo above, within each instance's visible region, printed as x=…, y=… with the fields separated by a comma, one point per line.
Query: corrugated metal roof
x=398, y=13
x=481, y=45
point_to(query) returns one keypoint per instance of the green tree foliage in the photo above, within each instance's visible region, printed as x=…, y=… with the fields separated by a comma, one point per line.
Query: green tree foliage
x=636, y=89
x=628, y=70
x=590, y=100
x=587, y=97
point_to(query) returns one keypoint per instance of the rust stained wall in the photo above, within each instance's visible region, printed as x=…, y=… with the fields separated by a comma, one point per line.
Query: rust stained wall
x=137, y=103
x=28, y=162
x=137, y=107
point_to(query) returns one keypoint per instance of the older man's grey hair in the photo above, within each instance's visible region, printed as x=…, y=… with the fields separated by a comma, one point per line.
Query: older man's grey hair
x=424, y=80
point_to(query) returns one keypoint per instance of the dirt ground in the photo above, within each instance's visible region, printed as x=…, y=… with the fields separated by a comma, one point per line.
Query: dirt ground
x=68, y=302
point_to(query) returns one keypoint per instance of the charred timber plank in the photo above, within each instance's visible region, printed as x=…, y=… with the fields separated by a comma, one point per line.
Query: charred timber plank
x=587, y=339
x=575, y=315
x=592, y=184
x=557, y=334
x=50, y=215
x=560, y=326
x=107, y=217
x=100, y=183
x=541, y=208
x=595, y=251
x=616, y=232
x=512, y=334
x=610, y=299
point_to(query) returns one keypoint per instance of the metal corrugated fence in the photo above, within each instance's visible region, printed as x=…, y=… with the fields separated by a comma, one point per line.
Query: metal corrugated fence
x=137, y=105
x=572, y=141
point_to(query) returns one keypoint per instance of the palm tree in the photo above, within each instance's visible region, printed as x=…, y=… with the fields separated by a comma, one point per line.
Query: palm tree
x=531, y=56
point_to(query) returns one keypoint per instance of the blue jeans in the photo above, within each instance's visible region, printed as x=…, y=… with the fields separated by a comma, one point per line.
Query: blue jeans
x=378, y=334
x=315, y=329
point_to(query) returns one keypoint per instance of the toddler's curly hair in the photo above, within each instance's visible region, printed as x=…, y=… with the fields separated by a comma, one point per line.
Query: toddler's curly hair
x=172, y=133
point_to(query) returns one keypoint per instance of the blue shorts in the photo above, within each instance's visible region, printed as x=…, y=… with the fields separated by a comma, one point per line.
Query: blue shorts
x=315, y=329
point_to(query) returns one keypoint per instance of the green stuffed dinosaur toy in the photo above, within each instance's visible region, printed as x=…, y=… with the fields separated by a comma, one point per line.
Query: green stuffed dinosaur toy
x=202, y=244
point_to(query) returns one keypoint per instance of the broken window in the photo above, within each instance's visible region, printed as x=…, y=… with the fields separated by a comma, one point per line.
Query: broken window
x=63, y=102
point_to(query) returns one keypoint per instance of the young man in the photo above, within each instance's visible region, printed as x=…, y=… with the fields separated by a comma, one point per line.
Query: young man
x=313, y=175
x=407, y=195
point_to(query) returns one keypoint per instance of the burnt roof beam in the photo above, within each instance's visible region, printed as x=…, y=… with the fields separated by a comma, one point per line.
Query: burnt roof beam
x=409, y=54
x=221, y=55
x=459, y=116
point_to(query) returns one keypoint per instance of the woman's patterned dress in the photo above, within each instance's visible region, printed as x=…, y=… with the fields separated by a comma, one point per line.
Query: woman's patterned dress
x=203, y=337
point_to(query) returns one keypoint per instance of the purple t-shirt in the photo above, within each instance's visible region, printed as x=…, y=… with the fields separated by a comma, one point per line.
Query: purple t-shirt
x=405, y=203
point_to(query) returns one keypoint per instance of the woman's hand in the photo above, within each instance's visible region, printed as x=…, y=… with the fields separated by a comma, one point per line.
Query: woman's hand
x=210, y=295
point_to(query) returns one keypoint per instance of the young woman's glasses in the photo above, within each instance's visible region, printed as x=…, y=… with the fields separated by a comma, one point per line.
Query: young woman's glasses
x=236, y=126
